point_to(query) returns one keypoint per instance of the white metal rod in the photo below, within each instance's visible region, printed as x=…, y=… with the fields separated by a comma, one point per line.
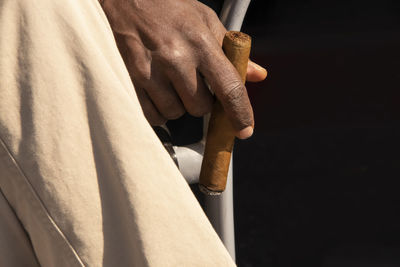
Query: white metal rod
x=219, y=209
x=189, y=160
x=233, y=13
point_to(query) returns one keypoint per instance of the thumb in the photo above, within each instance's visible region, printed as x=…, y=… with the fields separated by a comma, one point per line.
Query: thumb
x=255, y=73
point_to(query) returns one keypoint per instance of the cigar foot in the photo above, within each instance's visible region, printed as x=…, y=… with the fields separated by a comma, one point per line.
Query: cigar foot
x=209, y=192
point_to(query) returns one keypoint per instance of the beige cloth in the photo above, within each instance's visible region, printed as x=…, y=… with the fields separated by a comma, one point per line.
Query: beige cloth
x=84, y=181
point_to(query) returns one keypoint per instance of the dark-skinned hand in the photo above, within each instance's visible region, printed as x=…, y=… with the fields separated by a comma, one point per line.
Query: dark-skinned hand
x=172, y=50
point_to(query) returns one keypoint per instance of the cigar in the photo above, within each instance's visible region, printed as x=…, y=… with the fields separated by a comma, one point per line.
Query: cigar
x=221, y=135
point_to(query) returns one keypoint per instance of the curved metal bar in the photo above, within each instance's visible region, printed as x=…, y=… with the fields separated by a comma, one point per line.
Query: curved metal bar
x=233, y=13
x=219, y=209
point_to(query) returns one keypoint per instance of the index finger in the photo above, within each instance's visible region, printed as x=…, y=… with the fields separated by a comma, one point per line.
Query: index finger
x=229, y=89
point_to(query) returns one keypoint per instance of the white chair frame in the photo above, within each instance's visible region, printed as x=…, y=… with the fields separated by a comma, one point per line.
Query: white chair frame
x=219, y=209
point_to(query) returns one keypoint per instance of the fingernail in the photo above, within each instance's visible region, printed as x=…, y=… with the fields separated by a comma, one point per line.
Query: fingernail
x=246, y=133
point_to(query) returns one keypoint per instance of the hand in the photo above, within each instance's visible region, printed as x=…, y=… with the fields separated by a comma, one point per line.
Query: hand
x=170, y=48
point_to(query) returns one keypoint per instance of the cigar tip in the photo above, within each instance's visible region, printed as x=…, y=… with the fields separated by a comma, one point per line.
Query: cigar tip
x=209, y=192
x=238, y=39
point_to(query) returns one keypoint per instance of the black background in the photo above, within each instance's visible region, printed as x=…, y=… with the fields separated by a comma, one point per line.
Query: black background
x=317, y=184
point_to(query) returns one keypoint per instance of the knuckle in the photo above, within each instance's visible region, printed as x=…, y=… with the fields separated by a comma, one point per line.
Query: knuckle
x=210, y=14
x=141, y=73
x=235, y=92
x=172, y=53
x=139, y=67
x=202, y=42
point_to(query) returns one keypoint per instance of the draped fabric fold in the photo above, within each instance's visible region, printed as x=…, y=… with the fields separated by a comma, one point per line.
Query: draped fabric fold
x=84, y=181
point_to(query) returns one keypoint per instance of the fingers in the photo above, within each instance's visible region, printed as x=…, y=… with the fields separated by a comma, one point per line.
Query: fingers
x=168, y=82
x=156, y=95
x=229, y=89
x=192, y=90
x=255, y=73
x=161, y=100
x=164, y=97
